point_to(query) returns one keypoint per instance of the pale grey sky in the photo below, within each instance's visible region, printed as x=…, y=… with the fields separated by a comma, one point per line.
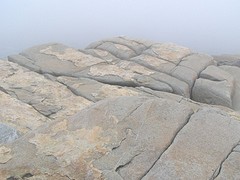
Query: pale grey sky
x=209, y=26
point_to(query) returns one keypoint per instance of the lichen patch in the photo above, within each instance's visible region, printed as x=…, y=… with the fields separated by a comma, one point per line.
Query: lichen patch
x=78, y=58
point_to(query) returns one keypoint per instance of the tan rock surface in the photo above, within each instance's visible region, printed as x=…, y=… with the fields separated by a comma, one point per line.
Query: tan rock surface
x=120, y=109
x=127, y=137
x=19, y=115
x=49, y=98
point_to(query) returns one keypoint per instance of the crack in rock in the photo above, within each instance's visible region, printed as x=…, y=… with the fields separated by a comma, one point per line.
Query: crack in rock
x=172, y=141
x=119, y=167
x=218, y=170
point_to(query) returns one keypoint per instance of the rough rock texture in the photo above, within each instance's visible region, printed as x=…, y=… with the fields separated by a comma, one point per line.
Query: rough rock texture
x=215, y=86
x=230, y=168
x=19, y=116
x=49, y=98
x=234, y=71
x=190, y=156
x=120, y=109
x=230, y=60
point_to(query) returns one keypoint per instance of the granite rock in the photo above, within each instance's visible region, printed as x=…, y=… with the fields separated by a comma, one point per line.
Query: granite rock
x=121, y=108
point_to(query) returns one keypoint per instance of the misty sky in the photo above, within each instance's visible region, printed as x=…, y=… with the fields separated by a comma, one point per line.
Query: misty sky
x=209, y=26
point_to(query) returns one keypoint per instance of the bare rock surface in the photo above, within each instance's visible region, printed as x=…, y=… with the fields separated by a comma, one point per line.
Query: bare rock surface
x=191, y=154
x=121, y=61
x=49, y=98
x=19, y=117
x=96, y=91
x=120, y=109
x=235, y=72
x=127, y=138
x=230, y=166
x=215, y=86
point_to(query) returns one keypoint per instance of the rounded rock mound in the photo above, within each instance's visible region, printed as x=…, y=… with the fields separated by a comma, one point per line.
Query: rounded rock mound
x=120, y=109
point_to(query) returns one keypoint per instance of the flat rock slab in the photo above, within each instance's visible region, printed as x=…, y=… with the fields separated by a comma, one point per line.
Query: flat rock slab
x=56, y=59
x=126, y=138
x=215, y=86
x=230, y=168
x=127, y=73
x=96, y=91
x=215, y=73
x=199, y=148
x=168, y=51
x=213, y=92
x=19, y=117
x=235, y=72
x=49, y=98
x=111, y=139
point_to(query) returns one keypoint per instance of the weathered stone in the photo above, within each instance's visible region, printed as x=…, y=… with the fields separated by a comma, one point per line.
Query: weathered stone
x=179, y=87
x=230, y=168
x=98, y=141
x=154, y=63
x=213, y=92
x=168, y=51
x=161, y=94
x=152, y=130
x=126, y=73
x=197, y=62
x=185, y=74
x=49, y=98
x=235, y=72
x=55, y=59
x=99, y=53
x=163, y=66
x=214, y=73
x=215, y=86
x=95, y=91
x=199, y=148
x=128, y=137
x=118, y=50
x=121, y=47
x=19, y=116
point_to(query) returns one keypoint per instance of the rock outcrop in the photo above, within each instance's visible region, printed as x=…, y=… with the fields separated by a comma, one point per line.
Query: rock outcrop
x=120, y=109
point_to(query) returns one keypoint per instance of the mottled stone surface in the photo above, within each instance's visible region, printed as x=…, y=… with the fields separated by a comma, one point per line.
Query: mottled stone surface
x=199, y=148
x=127, y=137
x=49, y=98
x=120, y=109
x=56, y=59
x=18, y=115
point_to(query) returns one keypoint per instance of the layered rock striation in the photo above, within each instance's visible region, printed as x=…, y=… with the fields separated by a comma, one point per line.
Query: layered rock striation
x=120, y=109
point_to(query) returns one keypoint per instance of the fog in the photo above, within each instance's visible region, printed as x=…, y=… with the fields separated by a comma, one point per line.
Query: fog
x=208, y=26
